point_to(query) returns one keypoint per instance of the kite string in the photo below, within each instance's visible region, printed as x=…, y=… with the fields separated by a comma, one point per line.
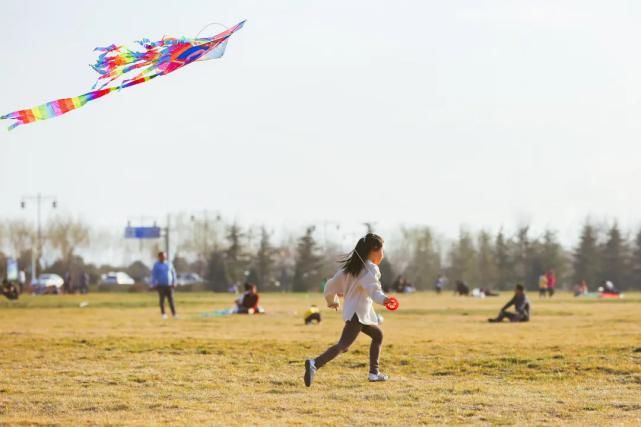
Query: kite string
x=210, y=24
x=364, y=264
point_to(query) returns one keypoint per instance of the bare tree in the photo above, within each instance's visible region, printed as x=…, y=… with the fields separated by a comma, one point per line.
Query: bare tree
x=3, y=234
x=21, y=235
x=67, y=234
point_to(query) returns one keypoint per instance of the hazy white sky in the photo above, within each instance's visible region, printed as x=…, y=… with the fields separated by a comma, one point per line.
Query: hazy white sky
x=473, y=113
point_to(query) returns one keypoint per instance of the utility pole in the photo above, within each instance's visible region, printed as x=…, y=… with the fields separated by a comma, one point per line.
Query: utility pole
x=36, y=252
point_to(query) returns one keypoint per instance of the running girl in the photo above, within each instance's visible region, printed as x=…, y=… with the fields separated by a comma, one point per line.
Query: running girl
x=358, y=281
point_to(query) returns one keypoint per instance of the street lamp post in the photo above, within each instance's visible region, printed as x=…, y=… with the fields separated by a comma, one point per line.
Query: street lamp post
x=36, y=252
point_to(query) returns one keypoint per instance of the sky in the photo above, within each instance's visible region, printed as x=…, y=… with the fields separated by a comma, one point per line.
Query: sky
x=473, y=114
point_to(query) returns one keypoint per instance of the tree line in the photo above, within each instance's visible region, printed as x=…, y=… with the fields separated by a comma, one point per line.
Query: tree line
x=228, y=254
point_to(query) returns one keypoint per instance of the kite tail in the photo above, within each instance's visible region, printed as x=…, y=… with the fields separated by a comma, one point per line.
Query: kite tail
x=61, y=106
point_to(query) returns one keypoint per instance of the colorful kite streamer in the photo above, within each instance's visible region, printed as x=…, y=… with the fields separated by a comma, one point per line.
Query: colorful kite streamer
x=159, y=58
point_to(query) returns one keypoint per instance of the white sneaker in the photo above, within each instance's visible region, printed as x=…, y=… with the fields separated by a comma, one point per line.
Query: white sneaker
x=164, y=317
x=377, y=377
x=175, y=316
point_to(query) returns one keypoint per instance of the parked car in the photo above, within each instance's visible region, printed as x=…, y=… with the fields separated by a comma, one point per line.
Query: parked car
x=48, y=283
x=184, y=279
x=116, y=278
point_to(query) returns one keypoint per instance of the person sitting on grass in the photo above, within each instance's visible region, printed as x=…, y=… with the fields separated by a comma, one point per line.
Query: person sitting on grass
x=312, y=314
x=489, y=292
x=248, y=302
x=9, y=290
x=461, y=288
x=401, y=285
x=609, y=288
x=580, y=289
x=521, y=304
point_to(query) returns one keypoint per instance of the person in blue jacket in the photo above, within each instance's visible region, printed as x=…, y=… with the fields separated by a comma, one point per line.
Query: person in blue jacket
x=163, y=278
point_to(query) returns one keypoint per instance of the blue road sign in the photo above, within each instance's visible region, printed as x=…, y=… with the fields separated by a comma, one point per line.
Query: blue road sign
x=142, y=232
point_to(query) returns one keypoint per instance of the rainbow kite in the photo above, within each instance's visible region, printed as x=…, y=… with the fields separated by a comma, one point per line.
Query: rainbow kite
x=159, y=58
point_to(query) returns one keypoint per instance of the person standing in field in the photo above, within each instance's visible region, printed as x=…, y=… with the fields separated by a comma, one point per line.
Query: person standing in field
x=163, y=278
x=551, y=276
x=440, y=283
x=22, y=280
x=66, y=284
x=543, y=285
x=83, y=282
x=358, y=281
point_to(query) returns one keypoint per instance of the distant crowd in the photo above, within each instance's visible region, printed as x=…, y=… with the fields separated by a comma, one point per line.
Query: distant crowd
x=78, y=282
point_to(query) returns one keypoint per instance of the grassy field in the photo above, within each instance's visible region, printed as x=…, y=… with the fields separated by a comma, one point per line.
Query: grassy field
x=116, y=362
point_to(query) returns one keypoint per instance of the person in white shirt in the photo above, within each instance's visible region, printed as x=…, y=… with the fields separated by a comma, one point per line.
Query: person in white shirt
x=358, y=281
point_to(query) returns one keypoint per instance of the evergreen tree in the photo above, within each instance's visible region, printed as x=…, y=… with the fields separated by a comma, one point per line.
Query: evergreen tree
x=535, y=265
x=614, y=254
x=525, y=270
x=425, y=264
x=634, y=282
x=552, y=254
x=503, y=262
x=388, y=274
x=307, y=275
x=264, y=262
x=586, y=257
x=463, y=260
x=217, y=277
x=234, y=258
x=543, y=256
x=487, y=265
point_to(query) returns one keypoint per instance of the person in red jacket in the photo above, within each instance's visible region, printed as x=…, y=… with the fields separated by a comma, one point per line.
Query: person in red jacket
x=551, y=282
x=248, y=302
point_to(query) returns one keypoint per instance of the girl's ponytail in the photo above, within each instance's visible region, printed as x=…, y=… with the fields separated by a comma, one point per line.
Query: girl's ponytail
x=354, y=262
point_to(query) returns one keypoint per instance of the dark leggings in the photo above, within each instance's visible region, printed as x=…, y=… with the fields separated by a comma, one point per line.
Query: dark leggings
x=166, y=292
x=350, y=332
x=512, y=317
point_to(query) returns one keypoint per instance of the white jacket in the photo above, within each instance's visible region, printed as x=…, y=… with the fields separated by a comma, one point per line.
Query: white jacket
x=359, y=292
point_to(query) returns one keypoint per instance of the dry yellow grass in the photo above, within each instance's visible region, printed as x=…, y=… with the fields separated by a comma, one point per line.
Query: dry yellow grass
x=116, y=362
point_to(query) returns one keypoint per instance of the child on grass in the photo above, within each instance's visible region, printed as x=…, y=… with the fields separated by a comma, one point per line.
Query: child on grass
x=358, y=281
